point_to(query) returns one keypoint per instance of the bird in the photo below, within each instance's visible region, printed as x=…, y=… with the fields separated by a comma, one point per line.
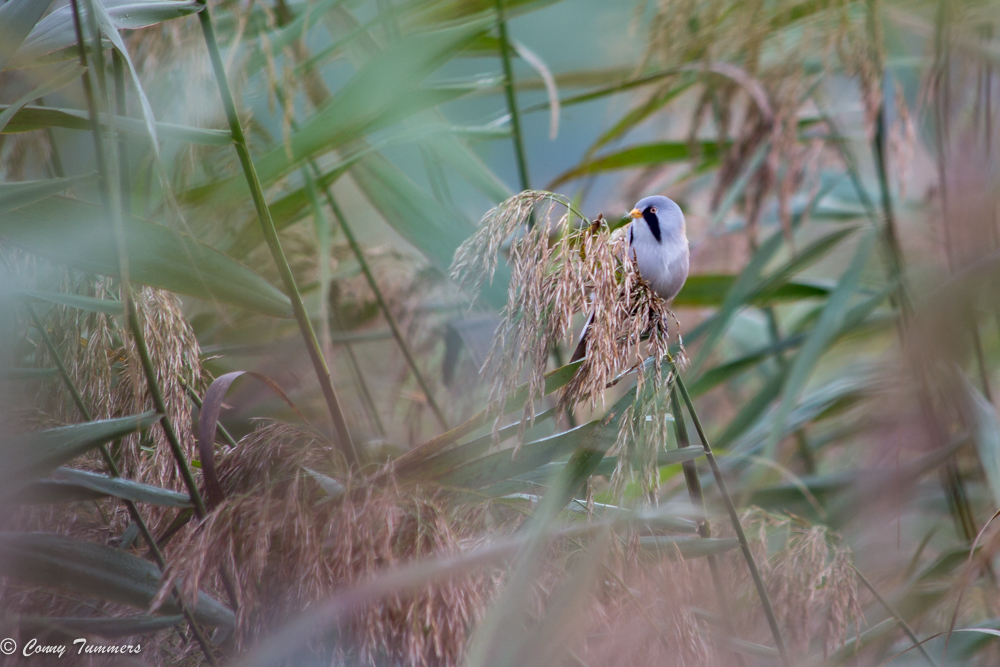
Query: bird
x=657, y=239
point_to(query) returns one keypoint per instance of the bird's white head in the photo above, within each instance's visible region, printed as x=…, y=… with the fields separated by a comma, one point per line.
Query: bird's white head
x=662, y=217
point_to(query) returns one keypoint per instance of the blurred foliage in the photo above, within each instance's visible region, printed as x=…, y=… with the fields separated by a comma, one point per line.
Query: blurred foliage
x=192, y=190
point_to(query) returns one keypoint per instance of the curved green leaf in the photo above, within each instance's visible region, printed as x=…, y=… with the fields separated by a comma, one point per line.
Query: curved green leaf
x=640, y=156
x=68, y=73
x=123, y=488
x=17, y=20
x=708, y=289
x=21, y=193
x=462, y=454
x=78, y=301
x=75, y=233
x=502, y=465
x=54, y=38
x=30, y=118
x=96, y=571
x=29, y=457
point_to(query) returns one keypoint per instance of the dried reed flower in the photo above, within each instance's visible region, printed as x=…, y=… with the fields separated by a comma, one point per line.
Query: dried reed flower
x=644, y=613
x=645, y=426
x=177, y=360
x=809, y=576
x=103, y=363
x=554, y=267
x=759, y=77
x=305, y=546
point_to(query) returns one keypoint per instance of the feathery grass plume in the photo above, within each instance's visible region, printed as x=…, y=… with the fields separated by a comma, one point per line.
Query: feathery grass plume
x=554, y=266
x=103, y=363
x=177, y=360
x=644, y=615
x=22, y=154
x=809, y=576
x=760, y=63
x=305, y=545
x=646, y=427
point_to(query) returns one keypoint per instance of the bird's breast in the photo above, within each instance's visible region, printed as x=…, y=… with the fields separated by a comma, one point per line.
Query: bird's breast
x=663, y=265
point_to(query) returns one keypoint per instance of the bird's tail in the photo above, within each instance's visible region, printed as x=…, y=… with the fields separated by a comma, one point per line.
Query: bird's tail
x=581, y=348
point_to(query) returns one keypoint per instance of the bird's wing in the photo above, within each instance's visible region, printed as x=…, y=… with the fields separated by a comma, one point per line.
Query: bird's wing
x=581, y=347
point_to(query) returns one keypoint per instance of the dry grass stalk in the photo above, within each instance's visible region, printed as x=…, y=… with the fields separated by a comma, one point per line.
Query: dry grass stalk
x=304, y=547
x=554, y=267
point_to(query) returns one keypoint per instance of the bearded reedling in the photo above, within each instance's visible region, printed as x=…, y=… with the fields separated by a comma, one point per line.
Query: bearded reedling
x=658, y=242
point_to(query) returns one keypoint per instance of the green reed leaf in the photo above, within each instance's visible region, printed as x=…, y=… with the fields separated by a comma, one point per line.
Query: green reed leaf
x=17, y=19
x=75, y=233
x=95, y=571
x=31, y=456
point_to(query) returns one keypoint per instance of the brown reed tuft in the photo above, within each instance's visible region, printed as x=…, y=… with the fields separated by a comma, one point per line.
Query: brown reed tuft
x=290, y=544
x=809, y=576
x=759, y=104
x=644, y=615
x=103, y=363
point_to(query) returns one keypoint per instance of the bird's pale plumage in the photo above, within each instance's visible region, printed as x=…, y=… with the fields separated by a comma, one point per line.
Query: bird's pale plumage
x=657, y=239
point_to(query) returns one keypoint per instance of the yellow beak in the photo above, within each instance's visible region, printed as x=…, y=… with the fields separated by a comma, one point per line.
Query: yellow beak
x=636, y=213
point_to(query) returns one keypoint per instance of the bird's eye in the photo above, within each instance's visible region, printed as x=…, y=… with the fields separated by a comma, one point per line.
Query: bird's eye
x=652, y=209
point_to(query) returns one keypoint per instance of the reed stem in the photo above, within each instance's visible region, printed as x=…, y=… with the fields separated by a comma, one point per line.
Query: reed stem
x=734, y=517
x=515, y=115
x=344, y=440
x=384, y=306
x=704, y=527
x=112, y=205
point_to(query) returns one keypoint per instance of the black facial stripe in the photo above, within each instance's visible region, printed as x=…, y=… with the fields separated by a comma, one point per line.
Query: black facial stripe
x=653, y=222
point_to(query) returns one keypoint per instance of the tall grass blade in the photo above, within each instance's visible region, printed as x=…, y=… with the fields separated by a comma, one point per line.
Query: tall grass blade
x=17, y=19
x=737, y=526
x=35, y=455
x=344, y=439
x=96, y=571
x=820, y=338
